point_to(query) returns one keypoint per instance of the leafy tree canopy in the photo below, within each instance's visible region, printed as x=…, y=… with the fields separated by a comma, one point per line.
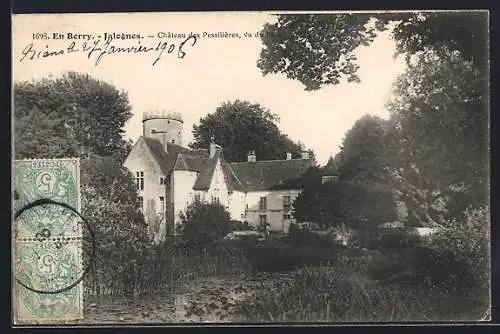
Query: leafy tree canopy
x=319, y=49
x=109, y=202
x=354, y=204
x=362, y=150
x=240, y=127
x=69, y=116
x=434, y=152
x=438, y=142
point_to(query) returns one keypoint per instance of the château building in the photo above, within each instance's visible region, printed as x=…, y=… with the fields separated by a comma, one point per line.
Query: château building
x=170, y=176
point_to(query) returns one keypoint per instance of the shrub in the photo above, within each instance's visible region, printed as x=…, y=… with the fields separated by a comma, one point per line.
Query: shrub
x=278, y=255
x=351, y=203
x=333, y=293
x=301, y=234
x=461, y=253
x=123, y=246
x=385, y=238
x=237, y=225
x=203, y=225
x=454, y=260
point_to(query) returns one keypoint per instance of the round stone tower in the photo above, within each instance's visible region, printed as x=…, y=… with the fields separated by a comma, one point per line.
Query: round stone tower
x=165, y=126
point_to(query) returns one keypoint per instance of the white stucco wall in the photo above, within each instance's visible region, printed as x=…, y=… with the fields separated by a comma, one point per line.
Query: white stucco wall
x=183, y=182
x=218, y=187
x=140, y=159
x=274, y=209
x=237, y=201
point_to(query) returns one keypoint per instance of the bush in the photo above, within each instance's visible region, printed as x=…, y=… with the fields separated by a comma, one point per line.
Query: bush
x=461, y=253
x=454, y=260
x=237, y=225
x=277, y=255
x=333, y=293
x=351, y=203
x=123, y=246
x=203, y=225
x=301, y=234
x=386, y=238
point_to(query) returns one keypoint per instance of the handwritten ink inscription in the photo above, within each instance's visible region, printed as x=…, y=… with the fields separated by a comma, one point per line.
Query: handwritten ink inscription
x=97, y=49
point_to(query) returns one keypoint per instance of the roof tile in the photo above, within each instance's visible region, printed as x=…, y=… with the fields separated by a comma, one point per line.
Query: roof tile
x=206, y=172
x=239, y=176
x=270, y=174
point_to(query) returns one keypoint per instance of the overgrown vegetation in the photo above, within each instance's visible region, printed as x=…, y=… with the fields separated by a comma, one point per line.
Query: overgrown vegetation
x=357, y=205
x=202, y=226
x=418, y=280
x=431, y=155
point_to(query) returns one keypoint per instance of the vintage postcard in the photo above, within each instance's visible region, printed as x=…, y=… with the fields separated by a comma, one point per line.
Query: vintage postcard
x=250, y=167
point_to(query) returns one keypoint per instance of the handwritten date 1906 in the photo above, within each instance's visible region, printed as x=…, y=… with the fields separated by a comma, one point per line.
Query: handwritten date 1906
x=100, y=48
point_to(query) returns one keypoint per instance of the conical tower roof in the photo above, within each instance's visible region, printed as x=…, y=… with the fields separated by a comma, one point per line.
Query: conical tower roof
x=331, y=167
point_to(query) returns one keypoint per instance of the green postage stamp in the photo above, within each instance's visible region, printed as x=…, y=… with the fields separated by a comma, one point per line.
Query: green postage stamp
x=48, y=229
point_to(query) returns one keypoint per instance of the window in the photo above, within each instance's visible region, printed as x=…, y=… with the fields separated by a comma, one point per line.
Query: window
x=287, y=216
x=215, y=200
x=197, y=198
x=173, y=141
x=262, y=219
x=162, y=180
x=287, y=204
x=139, y=180
x=141, y=202
x=263, y=203
x=162, y=204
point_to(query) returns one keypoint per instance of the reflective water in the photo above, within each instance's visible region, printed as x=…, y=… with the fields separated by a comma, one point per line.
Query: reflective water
x=200, y=300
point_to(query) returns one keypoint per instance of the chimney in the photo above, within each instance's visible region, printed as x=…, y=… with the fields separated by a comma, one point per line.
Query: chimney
x=305, y=155
x=288, y=156
x=164, y=141
x=213, y=146
x=251, y=156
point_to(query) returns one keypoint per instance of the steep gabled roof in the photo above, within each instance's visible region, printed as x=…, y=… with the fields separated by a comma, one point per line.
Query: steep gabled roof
x=167, y=160
x=239, y=176
x=270, y=174
x=189, y=162
x=206, y=172
x=232, y=180
x=181, y=164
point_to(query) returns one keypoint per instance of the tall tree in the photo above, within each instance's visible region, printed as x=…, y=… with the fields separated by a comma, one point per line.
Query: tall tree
x=437, y=143
x=362, y=151
x=79, y=114
x=240, y=127
x=439, y=148
x=354, y=204
x=56, y=118
x=109, y=202
x=319, y=49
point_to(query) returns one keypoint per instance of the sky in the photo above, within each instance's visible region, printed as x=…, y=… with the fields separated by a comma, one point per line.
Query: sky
x=214, y=71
